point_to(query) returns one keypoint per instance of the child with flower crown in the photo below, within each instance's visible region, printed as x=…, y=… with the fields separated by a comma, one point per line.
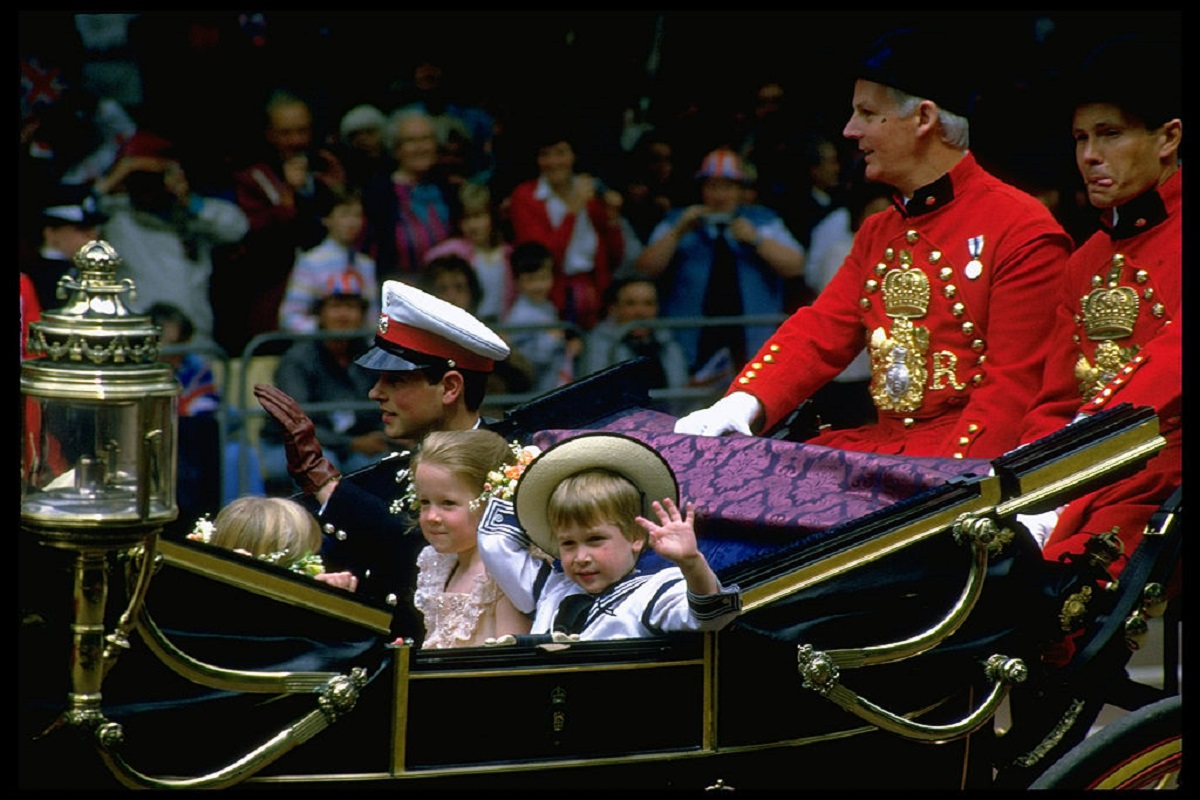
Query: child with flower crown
x=455, y=473
x=274, y=529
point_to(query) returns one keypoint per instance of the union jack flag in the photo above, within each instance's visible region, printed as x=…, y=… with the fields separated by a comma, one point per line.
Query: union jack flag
x=40, y=85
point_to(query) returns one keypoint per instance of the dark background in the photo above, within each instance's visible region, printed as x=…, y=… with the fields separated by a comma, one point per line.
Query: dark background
x=204, y=75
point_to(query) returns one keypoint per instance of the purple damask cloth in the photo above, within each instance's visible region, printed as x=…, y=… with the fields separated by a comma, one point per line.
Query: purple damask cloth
x=766, y=492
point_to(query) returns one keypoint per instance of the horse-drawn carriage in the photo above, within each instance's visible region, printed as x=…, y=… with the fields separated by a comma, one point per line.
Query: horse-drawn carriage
x=892, y=610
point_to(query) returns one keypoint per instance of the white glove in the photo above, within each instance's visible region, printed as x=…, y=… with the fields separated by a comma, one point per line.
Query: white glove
x=733, y=412
x=1041, y=525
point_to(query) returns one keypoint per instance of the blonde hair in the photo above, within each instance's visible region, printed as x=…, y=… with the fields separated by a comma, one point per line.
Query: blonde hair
x=468, y=455
x=266, y=525
x=595, y=497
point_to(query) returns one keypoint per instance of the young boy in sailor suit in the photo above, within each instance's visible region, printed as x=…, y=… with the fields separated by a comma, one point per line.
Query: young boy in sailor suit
x=587, y=502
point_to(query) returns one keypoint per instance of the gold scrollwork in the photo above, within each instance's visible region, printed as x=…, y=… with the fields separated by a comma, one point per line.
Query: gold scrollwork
x=817, y=669
x=898, y=366
x=1110, y=360
x=1073, y=610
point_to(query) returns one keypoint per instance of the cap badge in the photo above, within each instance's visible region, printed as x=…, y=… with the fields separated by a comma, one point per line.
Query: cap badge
x=383, y=324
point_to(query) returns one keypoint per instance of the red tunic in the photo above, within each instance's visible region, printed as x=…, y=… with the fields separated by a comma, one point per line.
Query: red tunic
x=1119, y=338
x=950, y=299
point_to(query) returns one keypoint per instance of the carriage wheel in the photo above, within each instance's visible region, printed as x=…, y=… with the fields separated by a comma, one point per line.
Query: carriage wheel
x=1142, y=750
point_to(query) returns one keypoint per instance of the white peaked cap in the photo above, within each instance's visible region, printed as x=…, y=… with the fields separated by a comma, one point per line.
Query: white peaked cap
x=417, y=330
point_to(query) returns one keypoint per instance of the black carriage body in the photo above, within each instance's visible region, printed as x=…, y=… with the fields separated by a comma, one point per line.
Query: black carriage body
x=910, y=611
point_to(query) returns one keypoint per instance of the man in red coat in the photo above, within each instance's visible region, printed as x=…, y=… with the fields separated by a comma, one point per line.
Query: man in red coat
x=1118, y=334
x=946, y=289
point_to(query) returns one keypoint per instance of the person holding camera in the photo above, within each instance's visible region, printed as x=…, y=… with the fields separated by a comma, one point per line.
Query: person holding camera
x=164, y=232
x=722, y=258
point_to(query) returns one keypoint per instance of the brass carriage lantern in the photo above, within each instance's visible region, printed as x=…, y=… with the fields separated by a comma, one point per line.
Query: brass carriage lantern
x=98, y=446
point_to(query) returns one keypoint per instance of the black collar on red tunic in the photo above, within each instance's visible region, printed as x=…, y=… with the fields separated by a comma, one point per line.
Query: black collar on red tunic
x=929, y=197
x=1140, y=214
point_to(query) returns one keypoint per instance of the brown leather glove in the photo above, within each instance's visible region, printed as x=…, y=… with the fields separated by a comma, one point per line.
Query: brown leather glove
x=305, y=459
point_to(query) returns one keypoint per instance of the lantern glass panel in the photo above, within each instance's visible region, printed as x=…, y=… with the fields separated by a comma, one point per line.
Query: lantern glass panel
x=99, y=460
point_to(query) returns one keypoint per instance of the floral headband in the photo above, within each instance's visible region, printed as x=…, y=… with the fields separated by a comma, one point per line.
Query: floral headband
x=500, y=483
x=310, y=565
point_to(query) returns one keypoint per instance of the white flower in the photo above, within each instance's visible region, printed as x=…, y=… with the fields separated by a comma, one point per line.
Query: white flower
x=310, y=565
x=203, y=530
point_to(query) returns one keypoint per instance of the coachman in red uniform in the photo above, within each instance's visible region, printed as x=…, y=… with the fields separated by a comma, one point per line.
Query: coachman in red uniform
x=1118, y=333
x=946, y=289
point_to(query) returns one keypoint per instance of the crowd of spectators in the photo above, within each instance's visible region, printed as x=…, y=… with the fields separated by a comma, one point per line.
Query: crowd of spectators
x=471, y=133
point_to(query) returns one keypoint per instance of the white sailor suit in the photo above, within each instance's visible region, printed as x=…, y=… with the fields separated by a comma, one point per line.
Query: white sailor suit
x=639, y=605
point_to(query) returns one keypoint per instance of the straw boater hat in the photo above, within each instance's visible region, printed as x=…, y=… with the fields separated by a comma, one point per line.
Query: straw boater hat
x=417, y=330
x=624, y=455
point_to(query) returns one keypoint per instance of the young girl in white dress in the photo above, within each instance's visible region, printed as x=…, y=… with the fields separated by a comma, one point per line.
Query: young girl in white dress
x=454, y=475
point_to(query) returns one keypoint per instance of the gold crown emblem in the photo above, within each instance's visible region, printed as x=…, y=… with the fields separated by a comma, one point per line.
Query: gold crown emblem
x=1110, y=313
x=906, y=293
